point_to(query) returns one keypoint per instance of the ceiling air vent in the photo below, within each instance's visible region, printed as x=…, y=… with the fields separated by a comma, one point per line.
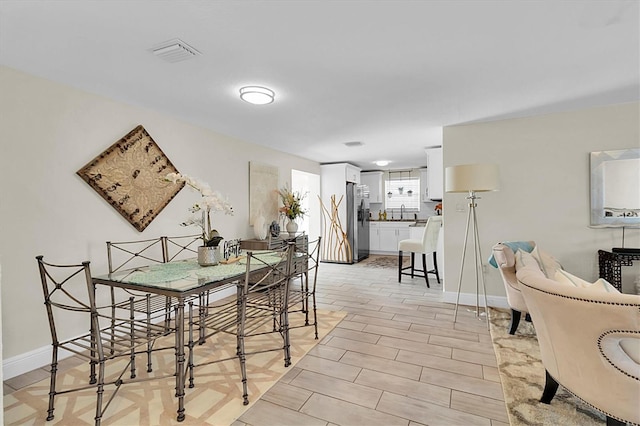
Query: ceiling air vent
x=354, y=143
x=174, y=50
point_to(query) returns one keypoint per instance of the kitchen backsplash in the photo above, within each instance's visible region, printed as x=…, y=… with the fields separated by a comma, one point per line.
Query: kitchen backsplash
x=426, y=209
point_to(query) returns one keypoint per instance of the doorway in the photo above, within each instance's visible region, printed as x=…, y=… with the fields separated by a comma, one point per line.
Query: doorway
x=308, y=184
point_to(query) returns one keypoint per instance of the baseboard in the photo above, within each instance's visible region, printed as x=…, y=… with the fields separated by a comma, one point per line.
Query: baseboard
x=41, y=357
x=23, y=363
x=469, y=299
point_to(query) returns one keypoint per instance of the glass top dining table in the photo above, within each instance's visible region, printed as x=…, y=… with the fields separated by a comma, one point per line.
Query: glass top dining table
x=180, y=280
x=183, y=277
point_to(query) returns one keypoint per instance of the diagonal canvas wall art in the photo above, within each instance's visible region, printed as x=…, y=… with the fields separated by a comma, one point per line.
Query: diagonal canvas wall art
x=129, y=176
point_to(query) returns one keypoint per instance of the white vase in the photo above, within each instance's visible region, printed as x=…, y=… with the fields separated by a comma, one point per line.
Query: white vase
x=208, y=256
x=292, y=227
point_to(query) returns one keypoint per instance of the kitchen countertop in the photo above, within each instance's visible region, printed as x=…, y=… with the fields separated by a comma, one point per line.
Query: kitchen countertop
x=411, y=222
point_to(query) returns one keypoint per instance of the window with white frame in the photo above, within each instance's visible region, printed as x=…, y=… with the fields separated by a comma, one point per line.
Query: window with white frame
x=402, y=190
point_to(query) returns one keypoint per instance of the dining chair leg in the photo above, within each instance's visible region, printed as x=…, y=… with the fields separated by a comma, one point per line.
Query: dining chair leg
x=203, y=310
x=52, y=383
x=99, y=393
x=435, y=266
x=284, y=325
x=243, y=370
x=424, y=269
x=400, y=266
x=315, y=316
x=190, y=346
x=149, y=342
x=132, y=355
x=305, y=299
x=413, y=263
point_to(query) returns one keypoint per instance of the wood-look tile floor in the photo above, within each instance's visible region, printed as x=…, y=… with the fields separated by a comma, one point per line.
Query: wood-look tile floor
x=396, y=359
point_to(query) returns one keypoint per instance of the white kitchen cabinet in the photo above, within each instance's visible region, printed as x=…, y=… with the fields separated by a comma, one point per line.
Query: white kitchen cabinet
x=374, y=236
x=374, y=181
x=435, y=182
x=388, y=239
x=352, y=173
x=384, y=236
x=424, y=186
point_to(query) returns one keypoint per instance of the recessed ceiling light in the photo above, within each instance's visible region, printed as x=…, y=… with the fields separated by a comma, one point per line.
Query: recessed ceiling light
x=381, y=163
x=257, y=95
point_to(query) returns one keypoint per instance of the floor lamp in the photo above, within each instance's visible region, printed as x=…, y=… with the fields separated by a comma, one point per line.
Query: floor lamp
x=472, y=178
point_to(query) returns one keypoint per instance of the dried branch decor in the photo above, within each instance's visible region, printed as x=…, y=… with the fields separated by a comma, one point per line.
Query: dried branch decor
x=335, y=245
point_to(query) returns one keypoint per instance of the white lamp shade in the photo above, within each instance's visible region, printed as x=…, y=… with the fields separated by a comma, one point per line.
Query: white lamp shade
x=472, y=177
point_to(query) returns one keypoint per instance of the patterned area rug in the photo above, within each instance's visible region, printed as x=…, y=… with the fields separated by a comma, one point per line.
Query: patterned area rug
x=522, y=375
x=386, y=262
x=216, y=398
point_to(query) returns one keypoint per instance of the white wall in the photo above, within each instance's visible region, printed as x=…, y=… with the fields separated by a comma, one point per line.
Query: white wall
x=49, y=131
x=544, y=194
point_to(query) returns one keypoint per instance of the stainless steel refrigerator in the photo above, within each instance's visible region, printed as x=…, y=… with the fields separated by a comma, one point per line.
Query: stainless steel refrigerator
x=358, y=220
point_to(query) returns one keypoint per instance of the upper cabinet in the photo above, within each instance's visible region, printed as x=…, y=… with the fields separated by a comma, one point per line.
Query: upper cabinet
x=343, y=172
x=352, y=173
x=434, y=187
x=374, y=181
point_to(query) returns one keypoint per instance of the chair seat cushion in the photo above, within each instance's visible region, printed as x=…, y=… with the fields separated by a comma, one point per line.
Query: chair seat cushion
x=411, y=245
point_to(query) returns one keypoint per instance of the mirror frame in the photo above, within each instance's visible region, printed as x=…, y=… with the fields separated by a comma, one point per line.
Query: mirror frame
x=598, y=219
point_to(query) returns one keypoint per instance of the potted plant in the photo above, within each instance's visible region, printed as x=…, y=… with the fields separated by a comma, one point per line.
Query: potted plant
x=210, y=202
x=291, y=207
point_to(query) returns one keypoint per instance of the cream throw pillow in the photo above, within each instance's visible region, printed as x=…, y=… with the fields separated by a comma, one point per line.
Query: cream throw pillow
x=547, y=263
x=563, y=277
x=526, y=260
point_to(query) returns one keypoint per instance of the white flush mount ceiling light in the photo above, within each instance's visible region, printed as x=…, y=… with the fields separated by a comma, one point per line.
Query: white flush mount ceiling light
x=381, y=163
x=257, y=95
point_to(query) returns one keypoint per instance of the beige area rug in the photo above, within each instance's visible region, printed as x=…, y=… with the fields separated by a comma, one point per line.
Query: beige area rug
x=387, y=262
x=216, y=398
x=523, y=377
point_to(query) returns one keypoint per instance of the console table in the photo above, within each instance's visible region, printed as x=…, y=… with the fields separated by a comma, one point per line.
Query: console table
x=271, y=243
x=610, y=264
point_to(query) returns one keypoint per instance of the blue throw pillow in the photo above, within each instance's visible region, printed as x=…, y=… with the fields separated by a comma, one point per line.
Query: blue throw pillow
x=515, y=246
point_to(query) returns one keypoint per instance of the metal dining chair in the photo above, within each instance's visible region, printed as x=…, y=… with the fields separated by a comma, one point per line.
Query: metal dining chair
x=305, y=268
x=428, y=244
x=142, y=253
x=262, y=297
x=155, y=308
x=70, y=299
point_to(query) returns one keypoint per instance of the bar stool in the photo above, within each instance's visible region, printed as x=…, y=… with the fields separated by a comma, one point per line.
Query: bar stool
x=426, y=245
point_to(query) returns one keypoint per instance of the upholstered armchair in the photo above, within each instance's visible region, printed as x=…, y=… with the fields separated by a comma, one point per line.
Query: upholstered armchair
x=504, y=259
x=589, y=338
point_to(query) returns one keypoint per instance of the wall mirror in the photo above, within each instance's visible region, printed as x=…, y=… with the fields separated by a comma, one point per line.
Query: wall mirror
x=615, y=188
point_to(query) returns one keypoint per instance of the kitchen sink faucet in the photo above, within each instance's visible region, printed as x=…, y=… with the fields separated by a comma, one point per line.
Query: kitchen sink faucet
x=402, y=212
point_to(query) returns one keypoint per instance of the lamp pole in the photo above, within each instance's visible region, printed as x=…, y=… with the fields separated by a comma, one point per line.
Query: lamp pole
x=472, y=224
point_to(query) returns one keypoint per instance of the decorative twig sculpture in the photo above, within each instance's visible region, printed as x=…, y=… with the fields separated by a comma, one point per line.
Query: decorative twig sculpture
x=335, y=247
